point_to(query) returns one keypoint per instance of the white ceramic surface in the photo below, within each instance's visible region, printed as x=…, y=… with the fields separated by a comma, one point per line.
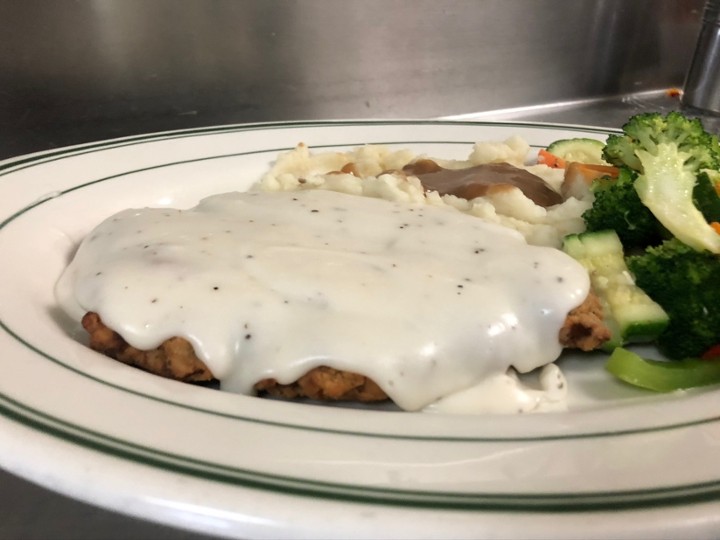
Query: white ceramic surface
x=621, y=463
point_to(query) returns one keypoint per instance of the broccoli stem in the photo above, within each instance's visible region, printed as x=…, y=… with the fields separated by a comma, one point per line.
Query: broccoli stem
x=666, y=188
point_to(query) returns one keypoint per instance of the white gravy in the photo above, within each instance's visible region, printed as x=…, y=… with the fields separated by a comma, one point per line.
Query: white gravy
x=425, y=301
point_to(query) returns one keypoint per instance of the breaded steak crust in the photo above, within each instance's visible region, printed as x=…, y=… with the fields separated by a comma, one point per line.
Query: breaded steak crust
x=175, y=359
x=584, y=327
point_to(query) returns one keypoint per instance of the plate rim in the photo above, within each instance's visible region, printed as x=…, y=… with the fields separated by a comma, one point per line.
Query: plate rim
x=697, y=492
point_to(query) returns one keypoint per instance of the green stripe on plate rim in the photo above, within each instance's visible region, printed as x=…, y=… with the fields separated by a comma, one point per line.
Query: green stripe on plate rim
x=38, y=350
x=511, y=502
x=21, y=162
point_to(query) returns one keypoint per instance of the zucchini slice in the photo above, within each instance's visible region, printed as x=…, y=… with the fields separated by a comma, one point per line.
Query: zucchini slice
x=583, y=150
x=631, y=315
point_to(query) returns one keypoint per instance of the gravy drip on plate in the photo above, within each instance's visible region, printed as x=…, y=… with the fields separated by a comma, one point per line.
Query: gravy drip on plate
x=425, y=301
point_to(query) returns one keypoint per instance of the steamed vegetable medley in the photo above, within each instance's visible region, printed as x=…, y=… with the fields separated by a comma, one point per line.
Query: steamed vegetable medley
x=652, y=243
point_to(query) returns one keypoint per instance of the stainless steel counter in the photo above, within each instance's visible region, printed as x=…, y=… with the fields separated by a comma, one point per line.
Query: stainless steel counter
x=72, y=72
x=81, y=70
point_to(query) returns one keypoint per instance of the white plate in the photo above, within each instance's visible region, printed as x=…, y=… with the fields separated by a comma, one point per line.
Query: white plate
x=622, y=463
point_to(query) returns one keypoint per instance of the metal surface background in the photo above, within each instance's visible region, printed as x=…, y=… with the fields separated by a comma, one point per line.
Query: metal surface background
x=73, y=71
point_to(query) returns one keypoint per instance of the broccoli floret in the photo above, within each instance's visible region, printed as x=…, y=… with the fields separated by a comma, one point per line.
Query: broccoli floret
x=649, y=130
x=617, y=206
x=668, y=153
x=684, y=282
x=706, y=196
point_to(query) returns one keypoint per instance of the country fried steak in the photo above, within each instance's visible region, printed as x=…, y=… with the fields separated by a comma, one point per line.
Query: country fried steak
x=175, y=358
x=584, y=326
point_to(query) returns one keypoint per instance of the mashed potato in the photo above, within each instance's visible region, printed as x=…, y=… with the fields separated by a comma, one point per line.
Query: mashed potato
x=373, y=171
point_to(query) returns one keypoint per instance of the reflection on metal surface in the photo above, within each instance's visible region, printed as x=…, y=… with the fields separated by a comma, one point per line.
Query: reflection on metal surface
x=92, y=69
x=702, y=88
x=610, y=111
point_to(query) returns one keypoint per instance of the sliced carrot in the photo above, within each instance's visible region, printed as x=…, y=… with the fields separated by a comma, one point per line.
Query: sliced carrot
x=715, y=225
x=596, y=171
x=579, y=177
x=551, y=160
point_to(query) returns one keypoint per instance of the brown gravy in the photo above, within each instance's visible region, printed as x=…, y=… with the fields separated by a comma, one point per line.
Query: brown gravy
x=482, y=180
